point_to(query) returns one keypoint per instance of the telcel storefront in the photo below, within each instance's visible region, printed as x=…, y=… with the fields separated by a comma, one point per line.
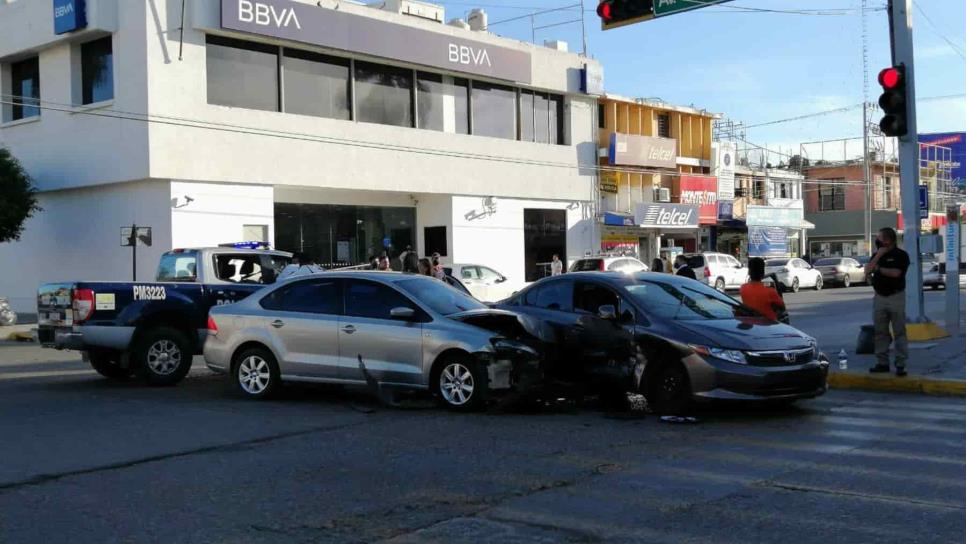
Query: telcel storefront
x=330, y=128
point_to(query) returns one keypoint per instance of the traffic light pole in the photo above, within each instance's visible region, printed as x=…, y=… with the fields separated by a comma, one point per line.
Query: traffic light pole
x=900, y=14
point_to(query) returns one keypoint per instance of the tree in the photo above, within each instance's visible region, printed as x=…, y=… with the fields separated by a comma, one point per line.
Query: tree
x=19, y=197
x=797, y=162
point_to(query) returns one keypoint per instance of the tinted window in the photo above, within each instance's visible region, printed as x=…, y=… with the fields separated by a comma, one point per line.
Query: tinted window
x=315, y=296
x=242, y=74
x=685, y=302
x=696, y=261
x=440, y=297
x=494, y=110
x=97, y=71
x=586, y=265
x=443, y=103
x=470, y=273
x=556, y=295
x=316, y=84
x=489, y=273
x=589, y=297
x=25, y=87
x=375, y=300
x=384, y=94
x=830, y=262
x=732, y=262
x=178, y=267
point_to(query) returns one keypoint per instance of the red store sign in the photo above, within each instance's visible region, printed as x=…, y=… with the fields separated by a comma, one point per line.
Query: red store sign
x=701, y=191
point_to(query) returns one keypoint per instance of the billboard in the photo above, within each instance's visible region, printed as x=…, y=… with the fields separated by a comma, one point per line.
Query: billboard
x=767, y=242
x=633, y=150
x=701, y=191
x=956, y=142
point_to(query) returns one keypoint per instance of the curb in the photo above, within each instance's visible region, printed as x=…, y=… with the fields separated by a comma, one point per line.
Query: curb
x=924, y=386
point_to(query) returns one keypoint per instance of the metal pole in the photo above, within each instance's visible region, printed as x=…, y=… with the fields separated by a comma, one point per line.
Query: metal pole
x=134, y=252
x=867, y=175
x=583, y=29
x=952, y=258
x=902, y=53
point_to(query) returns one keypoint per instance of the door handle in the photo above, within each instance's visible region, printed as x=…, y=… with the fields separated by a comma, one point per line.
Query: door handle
x=278, y=323
x=349, y=329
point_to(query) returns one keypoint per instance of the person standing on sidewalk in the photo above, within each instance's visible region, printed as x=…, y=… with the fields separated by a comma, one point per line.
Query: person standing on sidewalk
x=681, y=267
x=887, y=273
x=556, y=266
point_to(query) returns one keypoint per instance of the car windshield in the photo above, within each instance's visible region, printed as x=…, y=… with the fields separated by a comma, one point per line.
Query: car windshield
x=689, y=301
x=776, y=262
x=441, y=298
x=586, y=265
x=827, y=262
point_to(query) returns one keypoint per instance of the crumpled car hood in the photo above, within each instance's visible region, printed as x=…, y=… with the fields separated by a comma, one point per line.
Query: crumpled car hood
x=507, y=323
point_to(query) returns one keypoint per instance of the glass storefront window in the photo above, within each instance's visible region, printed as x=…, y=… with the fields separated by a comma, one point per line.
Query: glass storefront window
x=316, y=84
x=97, y=71
x=25, y=86
x=384, y=94
x=242, y=74
x=443, y=103
x=334, y=236
x=494, y=110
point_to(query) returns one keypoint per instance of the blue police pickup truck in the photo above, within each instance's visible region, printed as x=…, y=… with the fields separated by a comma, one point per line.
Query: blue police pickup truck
x=152, y=329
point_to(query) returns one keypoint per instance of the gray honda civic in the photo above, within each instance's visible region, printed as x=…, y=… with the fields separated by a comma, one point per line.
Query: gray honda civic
x=376, y=329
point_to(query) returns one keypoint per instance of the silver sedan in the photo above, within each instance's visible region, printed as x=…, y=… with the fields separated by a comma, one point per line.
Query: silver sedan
x=379, y=329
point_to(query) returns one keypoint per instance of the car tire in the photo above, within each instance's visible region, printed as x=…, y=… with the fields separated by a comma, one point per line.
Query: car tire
x=255, y=373
x=670, y=392
x=819, y=283
x=719, y=284
x=796, y=285
x=163, y=356
x=460, y=383
x=107, y=364
x=847, y=281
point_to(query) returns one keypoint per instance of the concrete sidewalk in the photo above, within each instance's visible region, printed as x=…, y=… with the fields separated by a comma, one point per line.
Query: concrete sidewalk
x=935, y=368
x=21, y=332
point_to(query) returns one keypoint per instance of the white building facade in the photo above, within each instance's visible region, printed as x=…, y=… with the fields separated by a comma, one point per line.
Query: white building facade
x=328, y=128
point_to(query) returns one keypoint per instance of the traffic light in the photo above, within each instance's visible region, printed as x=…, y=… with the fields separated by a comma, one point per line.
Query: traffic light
x=893, y=101
x=615, y=13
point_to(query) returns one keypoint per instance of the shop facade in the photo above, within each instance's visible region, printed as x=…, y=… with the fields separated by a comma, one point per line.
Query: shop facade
x=304, y=131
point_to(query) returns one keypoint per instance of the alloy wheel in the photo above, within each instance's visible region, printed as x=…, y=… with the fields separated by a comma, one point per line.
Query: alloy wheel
x=164, y=357
x=847, y=282
x=456, y=384
x=254, y=375
x=795, y=285
x=719, y=284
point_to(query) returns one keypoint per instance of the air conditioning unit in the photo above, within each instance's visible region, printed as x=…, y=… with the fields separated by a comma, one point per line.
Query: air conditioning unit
x=662, y=194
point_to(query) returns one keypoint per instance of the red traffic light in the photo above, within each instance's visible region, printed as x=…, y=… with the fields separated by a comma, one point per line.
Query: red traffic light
x=605, y=11
x=890, y=78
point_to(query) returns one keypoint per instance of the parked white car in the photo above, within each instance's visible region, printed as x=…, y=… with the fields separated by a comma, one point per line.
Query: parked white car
x=719, y=270
x=626, y=265
x=484, y=283
x=794, y=274
x=934, y=275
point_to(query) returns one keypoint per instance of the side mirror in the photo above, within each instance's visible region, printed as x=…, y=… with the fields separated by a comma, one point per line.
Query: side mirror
x=607, y=312
x=501, y=279
x=402, y=313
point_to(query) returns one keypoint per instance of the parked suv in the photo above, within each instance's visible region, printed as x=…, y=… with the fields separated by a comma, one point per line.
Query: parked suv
x=719, y=270
x=627, y=265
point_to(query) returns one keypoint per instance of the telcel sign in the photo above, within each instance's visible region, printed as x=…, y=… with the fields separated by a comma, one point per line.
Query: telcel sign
x=667, y=215
x=338, y=29
x=69, y=15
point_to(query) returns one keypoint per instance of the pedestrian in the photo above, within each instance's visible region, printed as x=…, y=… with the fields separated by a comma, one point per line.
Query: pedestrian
x=408, y=260
x=438, y=271
x=657, y=265
x=556, y=265
x=758, y=296
x=384, y=263
x=424, y=267
x=681, y=267
x=887, y=273
x=373, y=263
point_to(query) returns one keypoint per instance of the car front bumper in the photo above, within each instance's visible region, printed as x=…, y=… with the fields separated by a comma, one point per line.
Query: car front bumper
x=715, y=379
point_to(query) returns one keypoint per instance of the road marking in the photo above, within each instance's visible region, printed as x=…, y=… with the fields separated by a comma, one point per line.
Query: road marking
x=870, y=496
x=44, y=374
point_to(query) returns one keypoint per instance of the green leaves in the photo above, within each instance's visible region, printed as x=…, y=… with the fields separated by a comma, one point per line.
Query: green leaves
x=18, y=197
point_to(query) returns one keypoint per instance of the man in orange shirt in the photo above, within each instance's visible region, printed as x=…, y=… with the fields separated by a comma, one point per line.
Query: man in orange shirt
x=758, y=296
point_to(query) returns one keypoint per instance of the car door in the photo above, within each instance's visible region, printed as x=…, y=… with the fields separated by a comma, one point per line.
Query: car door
x=806, y=278
x=392, y=349
x=736, y=273
x=302, y=319
x=600, y=345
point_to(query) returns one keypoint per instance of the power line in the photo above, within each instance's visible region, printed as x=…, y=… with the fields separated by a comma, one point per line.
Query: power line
x=956, y=48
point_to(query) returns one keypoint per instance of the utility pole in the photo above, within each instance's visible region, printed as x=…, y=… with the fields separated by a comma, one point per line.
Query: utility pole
x=900, y=25
x=867, y=176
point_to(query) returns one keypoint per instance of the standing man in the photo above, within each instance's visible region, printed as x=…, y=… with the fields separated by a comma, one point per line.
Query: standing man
x=556, y=266
x=887, y=273
x=681, y=267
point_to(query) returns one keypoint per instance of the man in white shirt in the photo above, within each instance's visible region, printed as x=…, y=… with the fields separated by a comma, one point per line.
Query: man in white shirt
x=556, y=266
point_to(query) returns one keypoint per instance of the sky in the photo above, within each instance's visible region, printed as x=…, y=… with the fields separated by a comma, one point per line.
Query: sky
x=756, y=67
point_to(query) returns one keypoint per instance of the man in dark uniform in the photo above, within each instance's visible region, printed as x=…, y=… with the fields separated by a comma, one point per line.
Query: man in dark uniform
x=681, y=267
x=887, y=272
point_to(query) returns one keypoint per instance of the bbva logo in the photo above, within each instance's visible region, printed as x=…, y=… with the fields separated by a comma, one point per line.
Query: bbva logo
x=66, y=9
x=463, y=54
x=266, y=15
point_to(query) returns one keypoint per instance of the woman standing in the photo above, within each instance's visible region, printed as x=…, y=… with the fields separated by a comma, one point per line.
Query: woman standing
x=424, y=267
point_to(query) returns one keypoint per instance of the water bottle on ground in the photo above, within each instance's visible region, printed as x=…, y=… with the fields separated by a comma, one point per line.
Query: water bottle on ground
x=843, y=360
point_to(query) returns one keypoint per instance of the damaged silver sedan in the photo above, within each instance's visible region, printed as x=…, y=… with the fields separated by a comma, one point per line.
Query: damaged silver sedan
x=383, y=329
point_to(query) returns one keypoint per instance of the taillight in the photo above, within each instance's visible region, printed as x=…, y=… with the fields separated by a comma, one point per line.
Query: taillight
x=212, y=326
x=707, y=271
x=600, y=265
x=83, y=303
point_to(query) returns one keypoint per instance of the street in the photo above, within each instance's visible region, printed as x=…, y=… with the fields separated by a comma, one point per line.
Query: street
x=88, y=460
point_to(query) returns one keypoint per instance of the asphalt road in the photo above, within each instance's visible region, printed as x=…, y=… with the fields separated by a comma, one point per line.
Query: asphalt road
x=88, y=460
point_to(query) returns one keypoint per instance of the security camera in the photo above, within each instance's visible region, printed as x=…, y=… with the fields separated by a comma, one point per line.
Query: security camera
x=188, y=199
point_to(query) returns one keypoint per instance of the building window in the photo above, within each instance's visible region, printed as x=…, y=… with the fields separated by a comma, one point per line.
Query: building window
x=494, y=111
x=315, y=85
x=664, y=125
x=25, y=88
x=884, y=190
x=831, y=195
x=97, y=71
x=601, y=109
x=384, y=94
x=242, y=74
x=540, y=115
x=783, y=190
x=434, y=239
x=758, y=188
x=443, y=103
